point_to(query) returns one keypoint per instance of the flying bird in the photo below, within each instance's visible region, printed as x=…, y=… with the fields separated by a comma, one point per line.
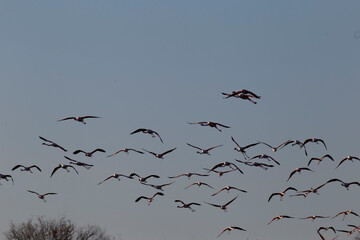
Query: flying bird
x=203, y=151
x=242, y=91
x=325, y=229
x=198, y=184
x=264, y=156
x=224, y=164
x=299, y=171
x=125, y=150
x=80, y=164
x=220, y=173
x=89, y=154
x=211, y=124
x=158, y=187
x=230, y=228
x=350, y=158
x=222, y=207
x=345, y=213
x=320, y=159
x=2, y=176
x=313, y=217
x=63, y=166
x=277, y=218
x=149, y=199
x=51, y=144
x=25, y=168
x=42, y=196
x=344, y=184
x=314, y=140
x=116, y=176
x=141, y=179
x=187, y=205
x=281, y=194
x=228, y=188
x=312, y=190
x=78, y=119
x=159, y=155
x=274, y=149
x=243, y=149
x=256, y=164
x=190, y=174
x=148, y=131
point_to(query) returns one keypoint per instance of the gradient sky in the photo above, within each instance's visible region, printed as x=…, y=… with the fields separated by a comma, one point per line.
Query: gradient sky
x=160, y=65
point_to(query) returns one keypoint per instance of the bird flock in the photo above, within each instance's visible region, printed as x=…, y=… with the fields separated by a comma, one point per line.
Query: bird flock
x=221, y=168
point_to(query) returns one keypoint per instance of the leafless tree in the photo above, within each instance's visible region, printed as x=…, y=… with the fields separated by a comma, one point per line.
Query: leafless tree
x=54, y=229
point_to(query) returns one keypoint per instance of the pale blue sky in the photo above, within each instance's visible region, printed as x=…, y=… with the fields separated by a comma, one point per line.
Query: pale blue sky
x=159, y=65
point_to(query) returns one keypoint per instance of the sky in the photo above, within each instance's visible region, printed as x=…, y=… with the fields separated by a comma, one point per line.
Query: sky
x=162, y=64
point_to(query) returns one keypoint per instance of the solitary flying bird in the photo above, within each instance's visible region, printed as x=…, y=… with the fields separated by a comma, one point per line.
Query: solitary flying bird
x=78, y=119
x=320, y=159
x=198, y=184
x=141, y=179
x=299, y=171
x=277, y=218
x=41, y=196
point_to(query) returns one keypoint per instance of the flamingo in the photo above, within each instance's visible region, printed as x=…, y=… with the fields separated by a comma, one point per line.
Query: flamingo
x=160, y=155
x=277, y=218
x=25, y=168
x=51, y=144
x=81, y=164
x=228, y=188
x=42, y=196
x=211, y=124
x=89, y=154
x=149, y=199
x=187, y=205
x=203, y=151
x=222, y=207
x=242, y=149
x=115, y=175
x=125, y=150
x=230, y=228
x=63, y=166
x=78, y=119
x=281, y=194
x=148, y=131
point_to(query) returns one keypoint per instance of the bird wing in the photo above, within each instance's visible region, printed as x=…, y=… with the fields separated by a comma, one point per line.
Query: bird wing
x=134, y=174
x=357, y=183
x=55, y=169
x=323, y=142
x=312, y=159
x=214, y=205
x=139, y=198
x=73, y=168
x=284, y=144
x=16, y=167
x=265, y=144
x=354, y=213
x=158, y=136
x=291, y=174
x=236, y=167
x=90, y=117
x=222, y=125
x=250, y=145
x=230, y=201
x=67, y=118
x=328, y=156
x=334, y=180
x=274, y=194
x=34, y=166
x=235, y=142
x=122, y=150
x=158, y=193
x=131, y=149
x=149, y=152
x=177, y=200
x=72, y=160
x=98, y=150
x=169, y=151
x=138, y=130
x=238, y=189
x=226, y=229
x=193, y=146
x=50, y=193
x=197, y=123
x=33, y=192
x=78, y=151
x=155, y=176
x=105, y=179
x=189, y=185
x=44, y=139
x=194, y=203
x=178, y=176
x=290, y=188
x=207, y=185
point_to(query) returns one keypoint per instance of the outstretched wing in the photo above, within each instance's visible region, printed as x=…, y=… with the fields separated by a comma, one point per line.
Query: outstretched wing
x=169, y=151
x=55, y=169
x=67, y=118
x=193, y=146
x=16, y=167
x=138, y=130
